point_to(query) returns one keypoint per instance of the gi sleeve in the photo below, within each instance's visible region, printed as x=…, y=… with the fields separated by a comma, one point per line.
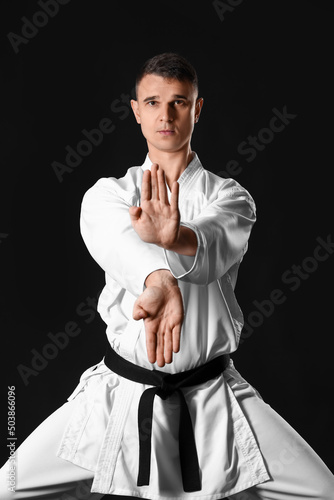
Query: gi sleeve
x=222, y=231
x=111, y=240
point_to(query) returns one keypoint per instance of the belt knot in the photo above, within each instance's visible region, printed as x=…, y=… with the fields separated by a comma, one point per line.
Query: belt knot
x=165, y=389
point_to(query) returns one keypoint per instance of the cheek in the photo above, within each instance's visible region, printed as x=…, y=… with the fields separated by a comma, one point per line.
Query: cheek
x=147, y=129
x=144, y=124
x=147, y=121
x=143, y=130
x=188, y=123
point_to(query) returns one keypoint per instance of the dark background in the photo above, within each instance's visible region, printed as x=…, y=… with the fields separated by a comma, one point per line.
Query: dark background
x=263, y=55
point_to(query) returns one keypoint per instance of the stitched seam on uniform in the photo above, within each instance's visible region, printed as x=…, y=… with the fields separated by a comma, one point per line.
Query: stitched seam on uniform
x=114, y=433
x=187, y=181
x=252, y=453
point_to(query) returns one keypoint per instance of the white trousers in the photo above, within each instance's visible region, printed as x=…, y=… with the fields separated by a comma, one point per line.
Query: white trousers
x=296, y=470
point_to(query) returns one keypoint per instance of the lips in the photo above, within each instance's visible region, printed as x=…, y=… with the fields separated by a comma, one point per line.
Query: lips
x=166, y=132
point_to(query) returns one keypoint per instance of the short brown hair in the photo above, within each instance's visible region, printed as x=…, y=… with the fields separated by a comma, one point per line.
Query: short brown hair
x=169, y=65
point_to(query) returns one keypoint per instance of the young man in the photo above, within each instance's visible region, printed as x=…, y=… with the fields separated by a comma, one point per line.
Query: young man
x=170, y=237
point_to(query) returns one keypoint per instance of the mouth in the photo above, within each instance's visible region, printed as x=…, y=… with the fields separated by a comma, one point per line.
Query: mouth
x=166, y=132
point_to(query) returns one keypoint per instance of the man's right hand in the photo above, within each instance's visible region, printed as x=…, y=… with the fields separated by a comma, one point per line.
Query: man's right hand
x=161, y=308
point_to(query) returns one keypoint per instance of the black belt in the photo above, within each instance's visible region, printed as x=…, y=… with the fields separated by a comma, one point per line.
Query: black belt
x=165, y=385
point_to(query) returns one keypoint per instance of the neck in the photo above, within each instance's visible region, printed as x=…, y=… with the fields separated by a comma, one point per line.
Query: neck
x=172, y=163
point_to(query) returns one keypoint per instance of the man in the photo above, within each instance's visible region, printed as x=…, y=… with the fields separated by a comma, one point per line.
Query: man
x=170, y=237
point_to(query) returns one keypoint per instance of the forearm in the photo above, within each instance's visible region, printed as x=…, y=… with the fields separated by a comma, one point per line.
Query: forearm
x=186, y=243
x=222, y=232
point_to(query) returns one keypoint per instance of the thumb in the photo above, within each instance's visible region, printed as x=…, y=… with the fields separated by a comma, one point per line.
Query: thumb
x=138, y=312
x=135, y=213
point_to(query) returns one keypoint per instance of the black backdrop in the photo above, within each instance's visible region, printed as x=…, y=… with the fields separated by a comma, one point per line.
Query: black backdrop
x=255, y=60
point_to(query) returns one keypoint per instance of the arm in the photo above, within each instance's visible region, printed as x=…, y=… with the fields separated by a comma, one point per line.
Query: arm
x=108, y=234
x=116, y=247
x=204, y=249
x=222, y=231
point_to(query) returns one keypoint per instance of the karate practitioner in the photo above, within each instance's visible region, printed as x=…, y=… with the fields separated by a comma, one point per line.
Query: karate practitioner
x=170, y=237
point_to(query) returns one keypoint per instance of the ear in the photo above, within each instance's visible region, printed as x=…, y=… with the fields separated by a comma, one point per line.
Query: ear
x=135, y=109
x=198, y=108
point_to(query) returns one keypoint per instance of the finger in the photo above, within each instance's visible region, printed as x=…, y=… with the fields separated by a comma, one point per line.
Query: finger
x=176, y=338
x=162, y=187
x=168, y=346
x=151, y=344
x=160, y=349
x=174, y=200
x=146, y=186
x=135, y=213
x=154, y=182
x=138, y=312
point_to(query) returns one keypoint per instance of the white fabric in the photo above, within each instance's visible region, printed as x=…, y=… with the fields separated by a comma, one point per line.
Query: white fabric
x=39, y=473
x=296, y=472
x=221, y=213
x=101, y=434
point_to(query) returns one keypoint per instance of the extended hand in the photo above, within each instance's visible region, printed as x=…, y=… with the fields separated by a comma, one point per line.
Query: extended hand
x=156, y=220
x=161, y=307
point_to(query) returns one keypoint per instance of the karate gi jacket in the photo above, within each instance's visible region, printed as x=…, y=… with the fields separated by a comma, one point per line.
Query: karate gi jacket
x=102, y=434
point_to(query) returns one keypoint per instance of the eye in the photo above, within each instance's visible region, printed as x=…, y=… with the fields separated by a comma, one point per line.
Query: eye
x=152, y=103
x=178, y=102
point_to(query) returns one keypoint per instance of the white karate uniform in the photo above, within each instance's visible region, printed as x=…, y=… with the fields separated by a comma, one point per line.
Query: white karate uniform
x=245, y=449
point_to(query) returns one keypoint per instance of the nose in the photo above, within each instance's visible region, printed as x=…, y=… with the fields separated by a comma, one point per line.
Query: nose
x=166, y=113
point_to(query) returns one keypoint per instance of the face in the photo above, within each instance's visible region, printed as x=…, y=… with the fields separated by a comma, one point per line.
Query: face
x=167, y=111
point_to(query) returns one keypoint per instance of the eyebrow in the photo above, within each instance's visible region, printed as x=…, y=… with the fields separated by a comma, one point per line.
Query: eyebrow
x=175, y=96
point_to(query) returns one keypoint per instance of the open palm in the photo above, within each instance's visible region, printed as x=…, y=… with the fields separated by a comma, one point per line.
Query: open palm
x=162, y=311
x=156, y=220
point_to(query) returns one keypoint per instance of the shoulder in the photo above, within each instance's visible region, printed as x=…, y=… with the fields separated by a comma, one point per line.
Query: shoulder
x=220, y=187
x=127, y=187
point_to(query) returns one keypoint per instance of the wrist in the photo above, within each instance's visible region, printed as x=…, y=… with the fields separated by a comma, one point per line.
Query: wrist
x=161, y=277
x=186, y=243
